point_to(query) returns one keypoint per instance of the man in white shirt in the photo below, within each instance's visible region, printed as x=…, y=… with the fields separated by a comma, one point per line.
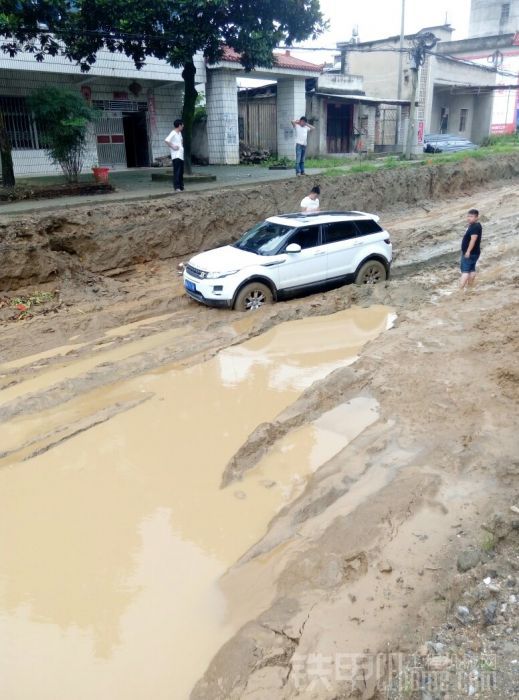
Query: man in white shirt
x=311, y=202
x=302, y=128
x=176, y=145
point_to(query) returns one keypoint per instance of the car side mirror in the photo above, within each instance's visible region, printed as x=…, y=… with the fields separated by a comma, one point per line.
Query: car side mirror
x=293, y=248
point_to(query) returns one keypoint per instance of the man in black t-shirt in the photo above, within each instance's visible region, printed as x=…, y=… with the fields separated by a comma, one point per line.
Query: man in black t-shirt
x=470, y=249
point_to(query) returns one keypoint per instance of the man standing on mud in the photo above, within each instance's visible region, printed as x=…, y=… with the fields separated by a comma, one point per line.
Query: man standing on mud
x=470, y=249
x=176, y=145
x=302, y=128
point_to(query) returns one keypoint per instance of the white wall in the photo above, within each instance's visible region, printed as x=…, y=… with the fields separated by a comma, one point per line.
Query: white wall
x=168, y=107
x=444, y=87
x=485, y=17
x=108, y=65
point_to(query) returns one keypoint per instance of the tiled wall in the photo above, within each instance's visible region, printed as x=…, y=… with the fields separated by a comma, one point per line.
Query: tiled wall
x=222, y=118
x=167, y=101
x=291, y=104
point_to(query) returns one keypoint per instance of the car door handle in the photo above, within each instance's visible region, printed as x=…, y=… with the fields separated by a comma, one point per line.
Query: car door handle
x=321, y=253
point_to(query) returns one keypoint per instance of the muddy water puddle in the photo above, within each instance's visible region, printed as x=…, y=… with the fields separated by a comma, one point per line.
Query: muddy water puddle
x=113, y=542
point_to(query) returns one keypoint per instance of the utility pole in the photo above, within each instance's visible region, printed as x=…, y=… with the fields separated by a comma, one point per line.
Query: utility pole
x=422, y=44
x=412, y=113
x=400, y=66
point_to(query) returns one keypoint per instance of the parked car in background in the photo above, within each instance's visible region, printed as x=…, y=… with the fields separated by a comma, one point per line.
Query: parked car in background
x=447, y=143
x=288, y=255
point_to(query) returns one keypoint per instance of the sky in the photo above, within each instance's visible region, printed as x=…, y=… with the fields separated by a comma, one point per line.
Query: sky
x=380, y=18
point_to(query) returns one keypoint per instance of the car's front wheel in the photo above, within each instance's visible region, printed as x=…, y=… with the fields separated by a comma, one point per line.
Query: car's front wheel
x=253, y=296
x=372, y=272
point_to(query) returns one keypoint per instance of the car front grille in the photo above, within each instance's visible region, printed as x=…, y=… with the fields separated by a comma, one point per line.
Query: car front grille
x=195, y=272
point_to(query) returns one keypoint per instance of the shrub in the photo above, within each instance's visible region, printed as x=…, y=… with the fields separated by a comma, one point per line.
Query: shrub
x=64, y=117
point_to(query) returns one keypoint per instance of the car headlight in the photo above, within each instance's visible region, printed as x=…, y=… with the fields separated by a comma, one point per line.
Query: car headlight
x=218, y=275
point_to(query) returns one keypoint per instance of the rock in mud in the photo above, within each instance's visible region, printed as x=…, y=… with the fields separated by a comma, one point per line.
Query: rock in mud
x=468, y=559
x=498, y=526
x=462, y=614
x=438, y=663
x=385, y=567
x=489, y=613
x=268, y=483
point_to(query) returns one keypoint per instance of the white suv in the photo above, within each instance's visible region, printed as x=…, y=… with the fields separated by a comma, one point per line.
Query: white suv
x=288, y=255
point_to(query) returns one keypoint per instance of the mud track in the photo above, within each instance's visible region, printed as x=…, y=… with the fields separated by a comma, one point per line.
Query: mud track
x=361, y=561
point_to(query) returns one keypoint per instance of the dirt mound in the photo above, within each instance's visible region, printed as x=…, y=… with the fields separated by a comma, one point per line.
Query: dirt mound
x=109, y=237
x=69, y=189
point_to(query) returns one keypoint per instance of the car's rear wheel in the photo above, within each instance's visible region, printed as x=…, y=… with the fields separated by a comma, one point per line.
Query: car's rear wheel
x=253, y=296
x=372, y=272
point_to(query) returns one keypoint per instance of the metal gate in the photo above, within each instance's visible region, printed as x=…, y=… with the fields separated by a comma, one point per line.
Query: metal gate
x=109, y=130
x=109, y=133
x=387, y=127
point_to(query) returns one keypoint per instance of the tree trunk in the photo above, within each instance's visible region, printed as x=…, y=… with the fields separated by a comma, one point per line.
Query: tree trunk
x=188, y=112
x=6, y=156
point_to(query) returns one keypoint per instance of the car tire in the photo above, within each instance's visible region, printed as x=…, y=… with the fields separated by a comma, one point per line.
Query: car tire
x=253, y=296
x=371, y=272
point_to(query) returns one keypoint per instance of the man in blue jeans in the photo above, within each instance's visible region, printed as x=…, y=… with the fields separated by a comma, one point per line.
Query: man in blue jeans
x=470, y=249
x=302, y=128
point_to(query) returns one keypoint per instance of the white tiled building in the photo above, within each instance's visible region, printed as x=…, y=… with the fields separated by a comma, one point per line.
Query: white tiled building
x=290, y=73
x=136, y=107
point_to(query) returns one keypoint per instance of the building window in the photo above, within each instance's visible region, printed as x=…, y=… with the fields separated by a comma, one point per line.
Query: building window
x=463, y=119
x=19, y=123
x=505, y=14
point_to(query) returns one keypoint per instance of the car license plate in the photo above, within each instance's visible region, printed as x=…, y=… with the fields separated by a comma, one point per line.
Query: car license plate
x=190, y=286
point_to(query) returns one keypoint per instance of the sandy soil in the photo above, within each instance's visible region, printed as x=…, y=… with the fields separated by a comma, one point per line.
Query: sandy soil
x=362, y=562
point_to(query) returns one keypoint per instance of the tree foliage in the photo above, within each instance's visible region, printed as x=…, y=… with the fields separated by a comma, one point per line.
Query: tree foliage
x=64, y=117
x=173, y=30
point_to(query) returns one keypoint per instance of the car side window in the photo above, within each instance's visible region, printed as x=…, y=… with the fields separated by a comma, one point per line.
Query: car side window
x=306, y=237
x=340, y=231
x=367, y=226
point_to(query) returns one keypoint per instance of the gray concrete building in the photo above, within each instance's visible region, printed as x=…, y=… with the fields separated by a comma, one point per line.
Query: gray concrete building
x=494, y=43
x=450, y=96
x=492, y=17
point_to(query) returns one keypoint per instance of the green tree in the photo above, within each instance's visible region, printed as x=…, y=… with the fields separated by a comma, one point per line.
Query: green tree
x=173, y=30
x=64, y=117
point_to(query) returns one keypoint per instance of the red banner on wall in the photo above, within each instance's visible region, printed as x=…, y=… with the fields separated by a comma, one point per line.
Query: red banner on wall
x=152, y=111
x=420, y=132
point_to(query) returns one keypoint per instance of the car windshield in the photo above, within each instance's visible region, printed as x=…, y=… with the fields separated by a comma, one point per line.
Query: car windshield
x=264, y=238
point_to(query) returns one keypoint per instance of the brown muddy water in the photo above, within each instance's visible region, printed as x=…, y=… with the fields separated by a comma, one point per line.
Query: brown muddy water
x=113, y=542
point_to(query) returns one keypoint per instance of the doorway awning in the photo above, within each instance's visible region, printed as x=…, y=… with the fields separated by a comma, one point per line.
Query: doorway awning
x=363, y=99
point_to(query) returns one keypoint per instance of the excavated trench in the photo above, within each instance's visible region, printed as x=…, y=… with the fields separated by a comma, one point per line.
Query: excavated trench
x=113, y=238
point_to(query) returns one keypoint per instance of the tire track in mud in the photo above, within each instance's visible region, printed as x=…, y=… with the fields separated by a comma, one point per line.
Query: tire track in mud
x=360, y=560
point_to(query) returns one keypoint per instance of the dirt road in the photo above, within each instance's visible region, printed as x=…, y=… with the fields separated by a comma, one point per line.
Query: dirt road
x=361, y=559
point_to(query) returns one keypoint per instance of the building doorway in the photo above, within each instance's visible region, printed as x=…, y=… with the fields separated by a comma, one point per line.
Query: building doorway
x=339, y=127
x=135, y=127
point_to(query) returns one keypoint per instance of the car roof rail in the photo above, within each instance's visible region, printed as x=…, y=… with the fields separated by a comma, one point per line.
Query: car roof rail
x=313, y=214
